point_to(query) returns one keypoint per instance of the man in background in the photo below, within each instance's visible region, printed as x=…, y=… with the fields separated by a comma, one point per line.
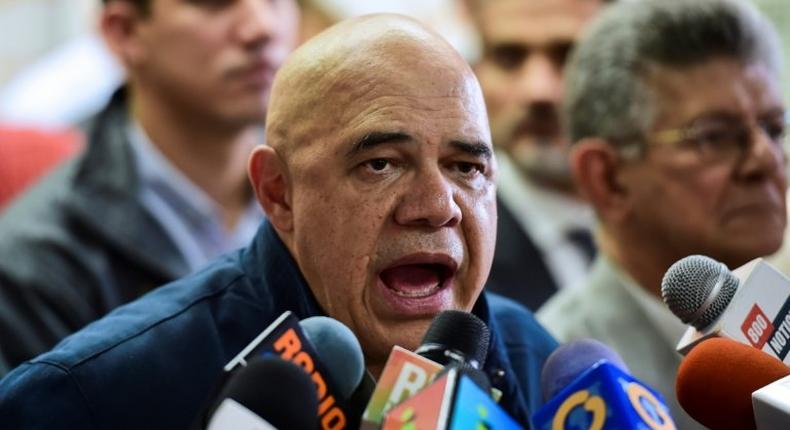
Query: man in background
x=678, y=124
x=543, y=238
x=161, y=188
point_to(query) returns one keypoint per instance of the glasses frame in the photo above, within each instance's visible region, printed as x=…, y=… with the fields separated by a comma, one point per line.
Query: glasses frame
x=690, y=134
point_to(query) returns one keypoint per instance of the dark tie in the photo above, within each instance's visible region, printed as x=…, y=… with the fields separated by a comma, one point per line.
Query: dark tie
x=583, y=240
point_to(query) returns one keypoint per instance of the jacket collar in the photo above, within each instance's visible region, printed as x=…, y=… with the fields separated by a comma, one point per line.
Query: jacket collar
x=105, y=195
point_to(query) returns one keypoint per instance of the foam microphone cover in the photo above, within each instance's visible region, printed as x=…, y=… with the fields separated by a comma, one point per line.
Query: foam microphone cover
x=276, y=390
x=716, y=380
x=568, y=361
x=456, y=337
x=338, y=349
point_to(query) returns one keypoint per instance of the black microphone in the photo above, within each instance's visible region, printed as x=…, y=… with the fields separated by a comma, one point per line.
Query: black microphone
x=268, y=393
x=456, y=338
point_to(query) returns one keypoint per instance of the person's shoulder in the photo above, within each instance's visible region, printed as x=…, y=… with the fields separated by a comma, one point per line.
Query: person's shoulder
x=26, y=388
x=518, y=326
x=587, y=310
x=187, y=306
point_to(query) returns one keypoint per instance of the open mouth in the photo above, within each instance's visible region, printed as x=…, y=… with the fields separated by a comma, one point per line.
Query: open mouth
x=416, y=280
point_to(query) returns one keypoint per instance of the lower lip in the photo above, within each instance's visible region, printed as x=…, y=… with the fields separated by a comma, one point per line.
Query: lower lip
x=401, y=306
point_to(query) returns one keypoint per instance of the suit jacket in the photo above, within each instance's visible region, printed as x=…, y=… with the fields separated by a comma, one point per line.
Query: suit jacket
x=518, y=271
x=78, y=244
x=605, y=310
x=153, y=363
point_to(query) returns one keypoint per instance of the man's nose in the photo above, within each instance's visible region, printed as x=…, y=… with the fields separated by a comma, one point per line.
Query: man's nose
x=539, y=80
x=429, y=202
x=257, y=21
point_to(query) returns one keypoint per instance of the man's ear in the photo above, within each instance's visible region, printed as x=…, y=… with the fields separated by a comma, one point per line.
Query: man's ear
x=120, y=27
x=270, y=182
x=598, y=171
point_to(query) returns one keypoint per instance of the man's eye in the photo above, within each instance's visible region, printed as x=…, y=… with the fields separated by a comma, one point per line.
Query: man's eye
x=470, y=168
x=775, y=130
x=378, y=164
x=508, y=56
x=717, y=137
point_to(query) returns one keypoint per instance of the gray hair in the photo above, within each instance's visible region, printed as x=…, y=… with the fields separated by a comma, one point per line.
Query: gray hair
x=606, y=94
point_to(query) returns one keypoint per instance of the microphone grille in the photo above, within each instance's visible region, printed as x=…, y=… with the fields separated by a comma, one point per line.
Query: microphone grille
x=689, y=284
x=459, y=331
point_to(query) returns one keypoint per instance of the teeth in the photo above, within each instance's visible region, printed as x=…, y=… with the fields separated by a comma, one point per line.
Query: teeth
x=425, y=292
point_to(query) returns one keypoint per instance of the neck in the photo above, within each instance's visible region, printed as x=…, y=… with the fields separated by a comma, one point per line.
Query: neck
x=375, y=369
x=642, y=262
x=212, y=154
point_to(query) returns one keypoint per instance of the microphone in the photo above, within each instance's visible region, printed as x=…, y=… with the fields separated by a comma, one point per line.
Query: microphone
x=750, y=305
x=570, y=360
x=454, y=338
x=286, y=338
x=771, y=405
x=254, y=398
x=716, y=380
x=590, y=388
x=338, y=349
x=454, y=401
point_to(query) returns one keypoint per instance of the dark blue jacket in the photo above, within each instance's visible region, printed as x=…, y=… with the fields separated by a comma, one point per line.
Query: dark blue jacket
x=154, y=362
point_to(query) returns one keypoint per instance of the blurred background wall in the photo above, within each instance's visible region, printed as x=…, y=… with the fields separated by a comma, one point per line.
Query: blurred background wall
x=54, y=71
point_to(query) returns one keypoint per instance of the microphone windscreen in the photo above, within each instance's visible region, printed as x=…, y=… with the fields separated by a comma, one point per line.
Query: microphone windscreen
x=278, y=391
x=716, y=380
x=458, y=331
x=568, y=361
x=338, y=349
x=697, y=289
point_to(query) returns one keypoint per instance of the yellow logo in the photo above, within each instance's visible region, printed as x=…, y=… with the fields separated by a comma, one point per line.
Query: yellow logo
x=636, y=394
x=592, y=404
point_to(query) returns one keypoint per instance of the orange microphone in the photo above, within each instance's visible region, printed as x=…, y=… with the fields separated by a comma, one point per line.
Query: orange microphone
x=716, y=380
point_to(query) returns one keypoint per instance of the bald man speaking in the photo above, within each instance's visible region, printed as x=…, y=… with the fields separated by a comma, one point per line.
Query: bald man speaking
x=378, y=185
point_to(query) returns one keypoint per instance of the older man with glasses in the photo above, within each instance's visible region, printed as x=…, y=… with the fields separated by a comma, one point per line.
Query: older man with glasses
x=678, y=125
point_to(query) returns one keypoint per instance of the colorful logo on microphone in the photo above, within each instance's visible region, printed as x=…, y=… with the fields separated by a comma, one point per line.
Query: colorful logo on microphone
x=757, y=327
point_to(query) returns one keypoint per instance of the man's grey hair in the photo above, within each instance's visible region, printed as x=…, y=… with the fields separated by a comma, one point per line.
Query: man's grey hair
x=606, y=92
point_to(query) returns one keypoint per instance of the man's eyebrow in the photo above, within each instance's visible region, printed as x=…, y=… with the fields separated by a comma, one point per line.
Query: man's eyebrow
x=478, y=149
x=371, y=140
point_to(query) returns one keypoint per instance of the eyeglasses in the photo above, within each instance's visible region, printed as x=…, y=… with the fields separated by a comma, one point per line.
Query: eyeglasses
x=720, y=140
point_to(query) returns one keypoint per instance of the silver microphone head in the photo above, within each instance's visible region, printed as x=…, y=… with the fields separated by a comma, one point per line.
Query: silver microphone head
x=697, y=289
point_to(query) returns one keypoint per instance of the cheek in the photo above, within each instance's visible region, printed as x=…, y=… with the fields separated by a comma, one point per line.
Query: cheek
x=479, y=225
x=688, y=199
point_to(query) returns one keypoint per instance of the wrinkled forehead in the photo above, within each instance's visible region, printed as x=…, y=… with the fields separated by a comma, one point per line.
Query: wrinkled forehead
x=347, y=78
x=723, y=86
x=429, y=101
